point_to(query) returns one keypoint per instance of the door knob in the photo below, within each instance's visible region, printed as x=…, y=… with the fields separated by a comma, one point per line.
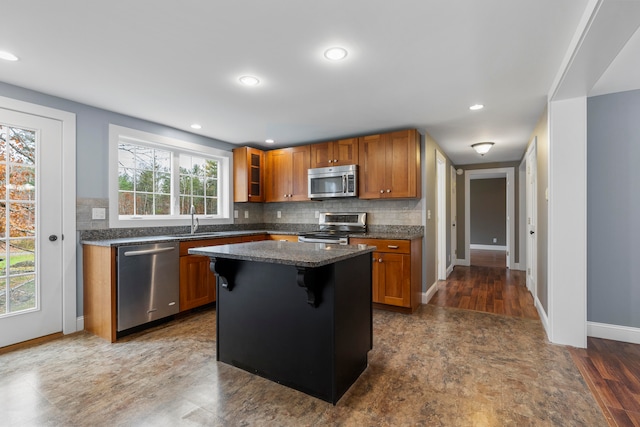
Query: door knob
x=532, y=232
x=53, y=238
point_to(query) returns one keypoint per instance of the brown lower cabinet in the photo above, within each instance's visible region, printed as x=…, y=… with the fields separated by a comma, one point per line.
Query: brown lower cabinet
x=397, y=273
x=197, y=282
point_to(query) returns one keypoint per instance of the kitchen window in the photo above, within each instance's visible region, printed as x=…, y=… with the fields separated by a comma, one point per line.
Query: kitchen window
x=154, y=180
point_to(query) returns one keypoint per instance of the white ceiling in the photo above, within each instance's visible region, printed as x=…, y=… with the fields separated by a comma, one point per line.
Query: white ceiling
x=411, y=63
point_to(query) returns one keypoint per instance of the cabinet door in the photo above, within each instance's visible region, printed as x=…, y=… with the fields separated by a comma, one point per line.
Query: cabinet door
x=248, y=175
x=197, y=282
x=320, y=154
x=300, y=161
x=278, y=176
x=402, y=165
x=372, y=165
x=394, y=279
x=345, y=152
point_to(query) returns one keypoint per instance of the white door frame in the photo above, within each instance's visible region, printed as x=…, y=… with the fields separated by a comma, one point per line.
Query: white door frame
x=441, y=216
x=490, y=173
x=522, y=215
x=454, y=219
x=531, y=221
x=68, y=120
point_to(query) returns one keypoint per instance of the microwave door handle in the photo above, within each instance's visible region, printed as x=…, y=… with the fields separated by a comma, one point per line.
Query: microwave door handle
x=344, y=183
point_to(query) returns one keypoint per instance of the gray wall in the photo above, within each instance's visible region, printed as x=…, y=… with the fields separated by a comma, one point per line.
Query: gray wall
x=92, y=141
x=488, y=210
x=613, y=209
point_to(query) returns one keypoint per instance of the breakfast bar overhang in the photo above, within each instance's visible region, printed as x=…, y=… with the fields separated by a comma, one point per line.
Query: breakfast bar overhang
x=298, y=314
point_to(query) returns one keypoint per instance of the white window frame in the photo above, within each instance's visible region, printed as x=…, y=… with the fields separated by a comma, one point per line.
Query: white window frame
x=134, y=136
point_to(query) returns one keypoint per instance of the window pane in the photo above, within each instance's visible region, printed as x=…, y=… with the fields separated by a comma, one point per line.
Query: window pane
x=163, y=205
x=3, y=258
x=144, y=181
x=22, y=257
x=212, y=187
x=198, y=202
x=22, y=219
x=212, y=168
x=212, y=206
x=3, y=295
x=198, y=186
x=163, y=161
x=125, y=179
x=144, y=158
x=185, y=205
x=125, y=204
x=163, y=183
x=127, y=156
x=144, y=204
x=22, y=146
x=23, y=293
x=3, y=221
x=22, y=183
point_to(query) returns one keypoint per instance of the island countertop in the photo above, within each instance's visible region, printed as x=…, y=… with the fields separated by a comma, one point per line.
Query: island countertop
x=288, y=253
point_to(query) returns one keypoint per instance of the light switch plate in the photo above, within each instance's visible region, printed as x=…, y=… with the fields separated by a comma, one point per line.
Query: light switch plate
x=246, y=214
x=278, y=214
x=98, y=213
x=235, y=213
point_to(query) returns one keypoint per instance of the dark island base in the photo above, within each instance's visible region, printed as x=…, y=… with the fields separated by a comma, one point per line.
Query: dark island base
x=314, y=339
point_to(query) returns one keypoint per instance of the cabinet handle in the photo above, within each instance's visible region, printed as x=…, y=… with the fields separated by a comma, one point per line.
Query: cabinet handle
x=381, y=191
x=393, y=246
x=335, y=160
x=330, y=161
x=379, y=259
x=286, y=195
x=388, y=190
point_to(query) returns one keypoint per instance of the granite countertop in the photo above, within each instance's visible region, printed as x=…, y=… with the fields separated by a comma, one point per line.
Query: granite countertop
x=288, y=253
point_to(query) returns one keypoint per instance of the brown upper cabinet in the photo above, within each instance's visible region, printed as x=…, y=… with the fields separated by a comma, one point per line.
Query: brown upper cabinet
x=390, y=165
x=334, y=153
x=286, y=174
x=248, y=175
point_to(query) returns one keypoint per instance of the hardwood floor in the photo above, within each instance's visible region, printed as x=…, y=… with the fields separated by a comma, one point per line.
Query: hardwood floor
x=611, y=369
x=485, y=258
x=487, y=289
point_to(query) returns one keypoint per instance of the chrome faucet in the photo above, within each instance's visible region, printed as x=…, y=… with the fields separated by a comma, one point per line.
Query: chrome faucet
x=194, y=221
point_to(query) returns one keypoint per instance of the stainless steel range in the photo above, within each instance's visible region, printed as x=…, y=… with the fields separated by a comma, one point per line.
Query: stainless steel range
x=336, y=227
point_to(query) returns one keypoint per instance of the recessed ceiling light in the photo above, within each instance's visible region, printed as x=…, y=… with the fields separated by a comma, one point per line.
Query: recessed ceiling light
x=196, y=126
x=8, y=56
x=249, y=80
x=269, y=141
x=476, y=107
x=482, y=148
x=335, y=53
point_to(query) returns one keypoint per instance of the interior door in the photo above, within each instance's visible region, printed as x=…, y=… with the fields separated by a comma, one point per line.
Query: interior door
x=454, y=218
x=30, y=227
x=532, y=246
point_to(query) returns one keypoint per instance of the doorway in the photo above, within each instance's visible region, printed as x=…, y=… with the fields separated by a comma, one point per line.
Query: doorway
x=531, y=221
x=35, y=260
x=509, y=175
x=441, y=216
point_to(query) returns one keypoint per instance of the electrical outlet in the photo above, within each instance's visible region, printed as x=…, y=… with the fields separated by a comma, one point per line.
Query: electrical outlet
x=317, y=214
x=246, y=214
x=428, y=213
x=495, y=240
x=235, y=213
x=98, y=213
x=279, y=214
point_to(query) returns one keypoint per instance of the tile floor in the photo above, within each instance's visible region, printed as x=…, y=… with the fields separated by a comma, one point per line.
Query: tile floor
x=438, y=367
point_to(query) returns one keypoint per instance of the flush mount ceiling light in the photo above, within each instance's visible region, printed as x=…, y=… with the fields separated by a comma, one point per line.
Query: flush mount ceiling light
x=8, y=56
x=249, y=80
x=196, y=126
x=482, y=148
x=269, y=141
x=335, y=53
x=475, y=107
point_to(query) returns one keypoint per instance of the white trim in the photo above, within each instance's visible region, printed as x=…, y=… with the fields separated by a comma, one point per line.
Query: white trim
x=80, y=323
x=488, y=247
x=465, y=262
x=441, y=216
x=567, y=230
x=69, y=290
x=225, y=178
x=483, y=174
x=450, y=269
x=613, y=332
x=517, y=266
x=426, y=296
x=543, y=316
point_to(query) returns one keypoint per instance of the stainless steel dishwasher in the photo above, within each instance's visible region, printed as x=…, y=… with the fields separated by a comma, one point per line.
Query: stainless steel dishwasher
x=148, y=283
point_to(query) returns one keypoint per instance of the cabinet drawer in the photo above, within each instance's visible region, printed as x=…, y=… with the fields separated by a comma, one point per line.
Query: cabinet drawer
x=391, y=246
x=185, y=246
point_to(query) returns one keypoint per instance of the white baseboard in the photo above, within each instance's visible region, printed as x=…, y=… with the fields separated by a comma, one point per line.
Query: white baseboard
x=516, y=266
x=463, y=262
x=450, y=269
x=613, y=332
x=488, y=247
x=543, y=316
x=426, y=296
x=80, y=323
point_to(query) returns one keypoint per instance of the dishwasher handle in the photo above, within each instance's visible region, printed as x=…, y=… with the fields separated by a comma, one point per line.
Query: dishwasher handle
x=148, y=251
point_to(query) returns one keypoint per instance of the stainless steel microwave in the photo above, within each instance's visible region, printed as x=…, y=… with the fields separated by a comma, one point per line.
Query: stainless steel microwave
x=334, y=181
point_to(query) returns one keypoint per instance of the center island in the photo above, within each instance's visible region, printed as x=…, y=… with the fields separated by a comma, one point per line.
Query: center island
x=296, y=313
